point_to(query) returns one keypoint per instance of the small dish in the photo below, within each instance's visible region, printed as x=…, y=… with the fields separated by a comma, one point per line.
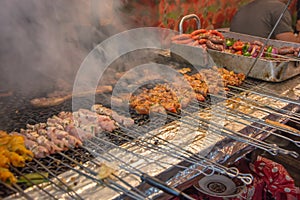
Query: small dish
x=218, y=186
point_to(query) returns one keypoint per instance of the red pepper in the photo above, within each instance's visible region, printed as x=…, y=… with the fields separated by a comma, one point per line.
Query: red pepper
x=238, y=45
x=238, y=53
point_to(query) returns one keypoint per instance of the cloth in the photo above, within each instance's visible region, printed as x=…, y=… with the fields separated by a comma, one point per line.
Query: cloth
x=259, y=17
x=278, y=181
x=271, y=181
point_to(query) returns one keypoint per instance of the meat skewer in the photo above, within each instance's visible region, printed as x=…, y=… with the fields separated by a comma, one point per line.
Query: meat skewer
x=174, y=98
x=68, y=130
x=53, y=101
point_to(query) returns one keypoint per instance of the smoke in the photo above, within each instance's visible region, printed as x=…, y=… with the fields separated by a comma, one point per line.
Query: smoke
x=42, y=43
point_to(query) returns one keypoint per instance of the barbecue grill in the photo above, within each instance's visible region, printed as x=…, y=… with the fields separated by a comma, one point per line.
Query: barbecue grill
x=143, y=163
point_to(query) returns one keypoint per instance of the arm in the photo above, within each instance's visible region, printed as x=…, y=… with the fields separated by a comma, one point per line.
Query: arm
x=298, y=16
x=288, y=36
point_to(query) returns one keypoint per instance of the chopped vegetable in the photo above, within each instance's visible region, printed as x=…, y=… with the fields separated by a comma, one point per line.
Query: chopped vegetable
x=33, y=178
x=229, y=42
x=239, y=53
x=238, y=45
x=247, y=54
x=269, y=51
x=245, y=48
x=105, y=172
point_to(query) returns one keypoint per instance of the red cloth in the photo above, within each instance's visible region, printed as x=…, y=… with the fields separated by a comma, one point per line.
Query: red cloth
x=278, y=181
x=269, y=176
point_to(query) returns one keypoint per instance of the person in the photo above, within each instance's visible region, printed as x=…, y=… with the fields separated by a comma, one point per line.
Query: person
x=298, y=17
x=258, y=18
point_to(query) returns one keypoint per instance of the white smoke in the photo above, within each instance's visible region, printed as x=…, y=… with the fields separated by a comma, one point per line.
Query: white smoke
x=44, y=42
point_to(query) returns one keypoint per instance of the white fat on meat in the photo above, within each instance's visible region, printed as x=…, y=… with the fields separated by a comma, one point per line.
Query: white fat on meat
x=100, y=109
x=49, y=145
x=40, y=152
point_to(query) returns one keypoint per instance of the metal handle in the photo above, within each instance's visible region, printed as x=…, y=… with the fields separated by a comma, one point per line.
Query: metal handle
x=191, y=16
x=245, y=178
x=164, y=187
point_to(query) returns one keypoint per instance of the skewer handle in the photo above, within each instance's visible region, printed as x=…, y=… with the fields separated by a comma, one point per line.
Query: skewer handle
x=164, y=187
x=245, y=178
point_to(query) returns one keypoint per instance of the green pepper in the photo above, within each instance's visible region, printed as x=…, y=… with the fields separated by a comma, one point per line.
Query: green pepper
x=247, y=53
x=33, y=178
x=245, y=48
x=269, y=51
x=229, y=42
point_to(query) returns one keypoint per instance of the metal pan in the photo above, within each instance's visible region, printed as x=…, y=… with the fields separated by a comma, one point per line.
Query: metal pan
x=267, y=70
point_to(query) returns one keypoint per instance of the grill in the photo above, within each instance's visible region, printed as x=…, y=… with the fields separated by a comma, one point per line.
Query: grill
x=146, y=163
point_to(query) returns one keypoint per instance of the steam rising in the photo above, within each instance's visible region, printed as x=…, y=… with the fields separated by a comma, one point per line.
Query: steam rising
x=44, y=42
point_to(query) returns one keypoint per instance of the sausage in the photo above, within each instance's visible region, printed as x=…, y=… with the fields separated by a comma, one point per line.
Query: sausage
x=186, y=41
x=195, y=43
x=202, y=41
x=213, y=46
x=216, y=33
x=259, y=43
x=196, y=37
x=199, y=31
x=216, y=39
x=181, y=37
x=203, y=36
x=286, y=50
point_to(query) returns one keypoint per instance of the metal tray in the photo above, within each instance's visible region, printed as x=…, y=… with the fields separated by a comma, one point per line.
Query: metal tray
x=267, y=70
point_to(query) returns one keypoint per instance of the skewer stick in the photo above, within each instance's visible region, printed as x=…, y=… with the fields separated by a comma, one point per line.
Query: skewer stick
x=261, y=107
x=266, y=95
x=232, y=172
x=96, y=174
x=36, y=185
x=14, y=187
x=272, y=149
x=148, y=179
x=115, y=187
x=68, y=190
x=235, y=113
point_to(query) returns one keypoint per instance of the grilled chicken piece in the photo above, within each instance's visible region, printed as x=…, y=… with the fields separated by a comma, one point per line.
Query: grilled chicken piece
x=100, y=109
x=12, y=153
x=40, y=151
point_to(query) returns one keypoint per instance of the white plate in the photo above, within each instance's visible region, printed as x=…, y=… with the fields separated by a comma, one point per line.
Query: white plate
x=217, y=185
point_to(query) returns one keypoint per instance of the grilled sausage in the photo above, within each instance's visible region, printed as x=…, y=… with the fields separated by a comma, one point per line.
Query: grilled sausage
x=286, y=50
x=181, y=37
x=213, y=46
x=202, y=41
x=216, y=39
x=186, y=41
x=259, y=43
x=197, y=32
x=216, y=33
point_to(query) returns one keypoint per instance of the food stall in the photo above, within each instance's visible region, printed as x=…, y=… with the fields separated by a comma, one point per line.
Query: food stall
x=208, y=115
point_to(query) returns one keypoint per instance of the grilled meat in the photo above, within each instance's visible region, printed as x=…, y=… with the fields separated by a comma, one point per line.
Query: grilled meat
x=172, y=99
x=56, y=100
x=125, y=121
x=12, y=153
x=68, y=130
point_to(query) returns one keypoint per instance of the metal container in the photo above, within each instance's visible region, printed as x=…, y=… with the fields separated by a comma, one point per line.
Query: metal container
x=267, y=70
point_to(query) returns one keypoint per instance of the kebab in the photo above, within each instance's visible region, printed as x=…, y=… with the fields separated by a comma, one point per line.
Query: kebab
x=174, y=98
x=13, y=153
x=56, y=100
x=68, y=130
